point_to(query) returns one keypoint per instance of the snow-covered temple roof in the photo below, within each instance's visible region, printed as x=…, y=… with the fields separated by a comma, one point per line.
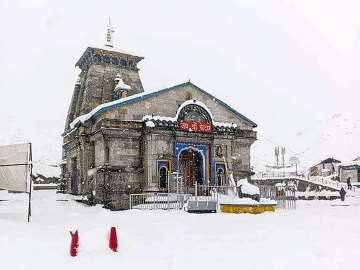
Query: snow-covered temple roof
x=141, y=96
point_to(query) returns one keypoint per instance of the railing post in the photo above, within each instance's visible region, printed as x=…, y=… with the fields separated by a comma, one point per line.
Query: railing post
x=196, y=198
x=168, y=201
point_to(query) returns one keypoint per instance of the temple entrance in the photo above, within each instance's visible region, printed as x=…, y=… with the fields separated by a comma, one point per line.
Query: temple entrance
x=190, y=167
x=163, y=177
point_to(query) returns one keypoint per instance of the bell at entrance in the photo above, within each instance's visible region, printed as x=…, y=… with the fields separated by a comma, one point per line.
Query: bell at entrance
x=190, y=167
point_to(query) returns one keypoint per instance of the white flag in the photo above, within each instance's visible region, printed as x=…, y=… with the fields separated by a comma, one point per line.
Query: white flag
x=15, y=167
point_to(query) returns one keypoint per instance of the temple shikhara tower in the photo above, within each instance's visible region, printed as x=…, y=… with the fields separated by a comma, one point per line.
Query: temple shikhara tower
x=120, y=139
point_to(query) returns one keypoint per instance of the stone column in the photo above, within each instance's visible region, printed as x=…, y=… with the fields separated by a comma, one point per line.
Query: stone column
x=150, y=184
x=106, y=150
x=228, y=156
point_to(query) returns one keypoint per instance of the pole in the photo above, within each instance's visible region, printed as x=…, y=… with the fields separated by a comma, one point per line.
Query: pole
x=168, y=189
x=31, y=165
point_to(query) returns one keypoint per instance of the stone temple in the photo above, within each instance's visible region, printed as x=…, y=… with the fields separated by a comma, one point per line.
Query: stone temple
x=120, y=139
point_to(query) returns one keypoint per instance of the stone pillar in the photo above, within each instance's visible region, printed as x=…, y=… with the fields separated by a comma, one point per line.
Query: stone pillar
x=150, y=184
x=228, y=157
x=106, y=150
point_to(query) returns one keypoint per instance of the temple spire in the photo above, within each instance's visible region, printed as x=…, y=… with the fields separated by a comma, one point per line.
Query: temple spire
x=109, y=36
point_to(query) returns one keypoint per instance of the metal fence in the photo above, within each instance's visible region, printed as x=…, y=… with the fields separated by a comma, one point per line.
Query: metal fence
x=324, y=181
x=285, y=197
x=153, y=201
x=176, y=200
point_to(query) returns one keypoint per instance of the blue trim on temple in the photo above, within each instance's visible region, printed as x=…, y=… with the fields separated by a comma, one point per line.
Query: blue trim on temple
x=156, y=93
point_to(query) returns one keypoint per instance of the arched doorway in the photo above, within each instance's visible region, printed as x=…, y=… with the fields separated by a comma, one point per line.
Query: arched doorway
x=190, y=165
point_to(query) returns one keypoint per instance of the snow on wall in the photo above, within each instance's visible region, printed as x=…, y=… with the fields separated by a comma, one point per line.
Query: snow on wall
x=221, y=124
x=247, y=188
x=150, y=124
x=159, y=118
x=121, y=85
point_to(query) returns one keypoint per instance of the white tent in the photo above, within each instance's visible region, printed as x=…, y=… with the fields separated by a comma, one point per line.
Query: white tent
x=16, y=168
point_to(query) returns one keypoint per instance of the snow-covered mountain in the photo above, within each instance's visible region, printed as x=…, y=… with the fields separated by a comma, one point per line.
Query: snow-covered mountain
x=335, y=136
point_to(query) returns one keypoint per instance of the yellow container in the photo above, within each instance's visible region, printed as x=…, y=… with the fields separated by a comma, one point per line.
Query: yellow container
x=249, y=209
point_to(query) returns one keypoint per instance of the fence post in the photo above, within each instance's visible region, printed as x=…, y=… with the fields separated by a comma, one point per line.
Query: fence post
x=196, y=198
x=167, y=196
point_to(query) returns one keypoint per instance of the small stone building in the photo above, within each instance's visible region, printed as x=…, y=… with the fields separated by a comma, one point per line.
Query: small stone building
x=350, y=171
x=325, y=168
x=120, y=140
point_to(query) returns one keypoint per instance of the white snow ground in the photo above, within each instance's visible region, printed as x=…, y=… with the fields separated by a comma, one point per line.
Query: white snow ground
x=315, y=236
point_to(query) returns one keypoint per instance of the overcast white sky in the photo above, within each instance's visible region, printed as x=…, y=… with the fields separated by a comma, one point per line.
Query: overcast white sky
x=290, y=66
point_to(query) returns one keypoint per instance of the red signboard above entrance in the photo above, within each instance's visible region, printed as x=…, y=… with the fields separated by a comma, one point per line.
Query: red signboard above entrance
x=195, y=126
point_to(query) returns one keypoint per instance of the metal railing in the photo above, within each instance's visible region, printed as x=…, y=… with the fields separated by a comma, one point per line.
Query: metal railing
x=285, y=197
x=317, y=180
x=154, y=201
x=267, y=175
x=176, y=200
x=197, y=193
